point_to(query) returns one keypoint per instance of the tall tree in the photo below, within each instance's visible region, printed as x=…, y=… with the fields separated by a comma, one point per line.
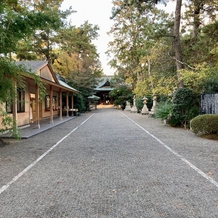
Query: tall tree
x=142, y=5
x=177, y=42
x=77, y=59
x=135, y=33
x=198, y=13
x=17, y=22
x=43, y=39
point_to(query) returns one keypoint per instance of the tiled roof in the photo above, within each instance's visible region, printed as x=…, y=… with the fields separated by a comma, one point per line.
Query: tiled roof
x=104, y=89
x=33, y=66
x=62, y=83
x=102, y=85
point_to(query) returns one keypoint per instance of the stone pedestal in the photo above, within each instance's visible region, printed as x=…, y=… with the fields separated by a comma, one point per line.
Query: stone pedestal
x=127, y=108
x=134, y=108
x=145, y=108
x=154, y=104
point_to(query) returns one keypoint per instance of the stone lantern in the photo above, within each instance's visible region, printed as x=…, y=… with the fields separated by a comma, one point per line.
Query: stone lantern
x=127, y=108
x=154, y=103
x=134, y=108
x=145, y=108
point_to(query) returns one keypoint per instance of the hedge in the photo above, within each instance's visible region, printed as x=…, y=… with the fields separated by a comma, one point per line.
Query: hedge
x=205, y=124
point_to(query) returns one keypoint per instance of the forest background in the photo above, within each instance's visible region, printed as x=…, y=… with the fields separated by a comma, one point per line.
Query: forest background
x=146, y=41
x=172, y=56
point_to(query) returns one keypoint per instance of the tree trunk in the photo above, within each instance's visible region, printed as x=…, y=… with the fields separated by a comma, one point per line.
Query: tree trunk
x=177, y=43
x=198, y=6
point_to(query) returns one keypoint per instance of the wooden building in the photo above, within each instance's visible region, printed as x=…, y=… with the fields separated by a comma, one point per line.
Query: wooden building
x=103, y=89
x=29, y=108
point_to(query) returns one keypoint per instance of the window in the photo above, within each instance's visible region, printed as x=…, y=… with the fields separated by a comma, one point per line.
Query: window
x=54, y=102
x=47, y=102
x=20, y=102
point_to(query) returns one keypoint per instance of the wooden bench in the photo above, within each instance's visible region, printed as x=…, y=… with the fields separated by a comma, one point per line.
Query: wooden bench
x=74, y=111
x=71, y=111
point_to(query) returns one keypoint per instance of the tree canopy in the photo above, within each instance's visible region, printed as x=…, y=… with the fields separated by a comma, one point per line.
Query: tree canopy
x=157, y=52
x=39, y=30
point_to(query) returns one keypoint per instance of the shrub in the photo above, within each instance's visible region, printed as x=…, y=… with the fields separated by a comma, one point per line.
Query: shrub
x=9, y=124
x=80, y=103
x=164, y=110
x=139, y=103
x=117, y=102
x=185, y=107
x=149, y=101
x=123, y=105
x=121, y=94
x=205, y=124
x=211, y=86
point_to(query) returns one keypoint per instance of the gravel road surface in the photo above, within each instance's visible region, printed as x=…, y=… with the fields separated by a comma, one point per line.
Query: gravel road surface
x=110, y=164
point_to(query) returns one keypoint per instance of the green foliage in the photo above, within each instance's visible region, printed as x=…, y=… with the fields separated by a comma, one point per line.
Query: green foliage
x=77, y=59
x=149, y=101
x=121, y=94
x=117, y=81
x=202, y=79
x=21, y=22
x=139, y=103
x=9, y=124
x=10, y=73
x=211, y=86
x=143, y=28
x=11, y=77
x=205, y=124
x=164, y=110
x=43, y=20
x=81, y=103
x=7, y=121
x=147, y=58
x=185, y=107
x=183, y=97
x=142, y=88
x=117, y=102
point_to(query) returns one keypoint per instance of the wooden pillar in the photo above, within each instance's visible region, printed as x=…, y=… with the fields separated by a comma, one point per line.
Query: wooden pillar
x=15, y=127
x=61, y=104
x=51, y=104
x=67, y=103
x=72, y=100
x=37, y=107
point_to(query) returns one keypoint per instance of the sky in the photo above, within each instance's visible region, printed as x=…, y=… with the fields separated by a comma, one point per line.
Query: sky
x=96, y=12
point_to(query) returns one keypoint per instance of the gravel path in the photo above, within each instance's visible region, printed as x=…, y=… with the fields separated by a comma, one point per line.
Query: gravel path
x=110, y=163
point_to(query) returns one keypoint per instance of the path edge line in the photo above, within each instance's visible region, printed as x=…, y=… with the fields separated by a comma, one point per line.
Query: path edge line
x=5, y=187
x=210, y=179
